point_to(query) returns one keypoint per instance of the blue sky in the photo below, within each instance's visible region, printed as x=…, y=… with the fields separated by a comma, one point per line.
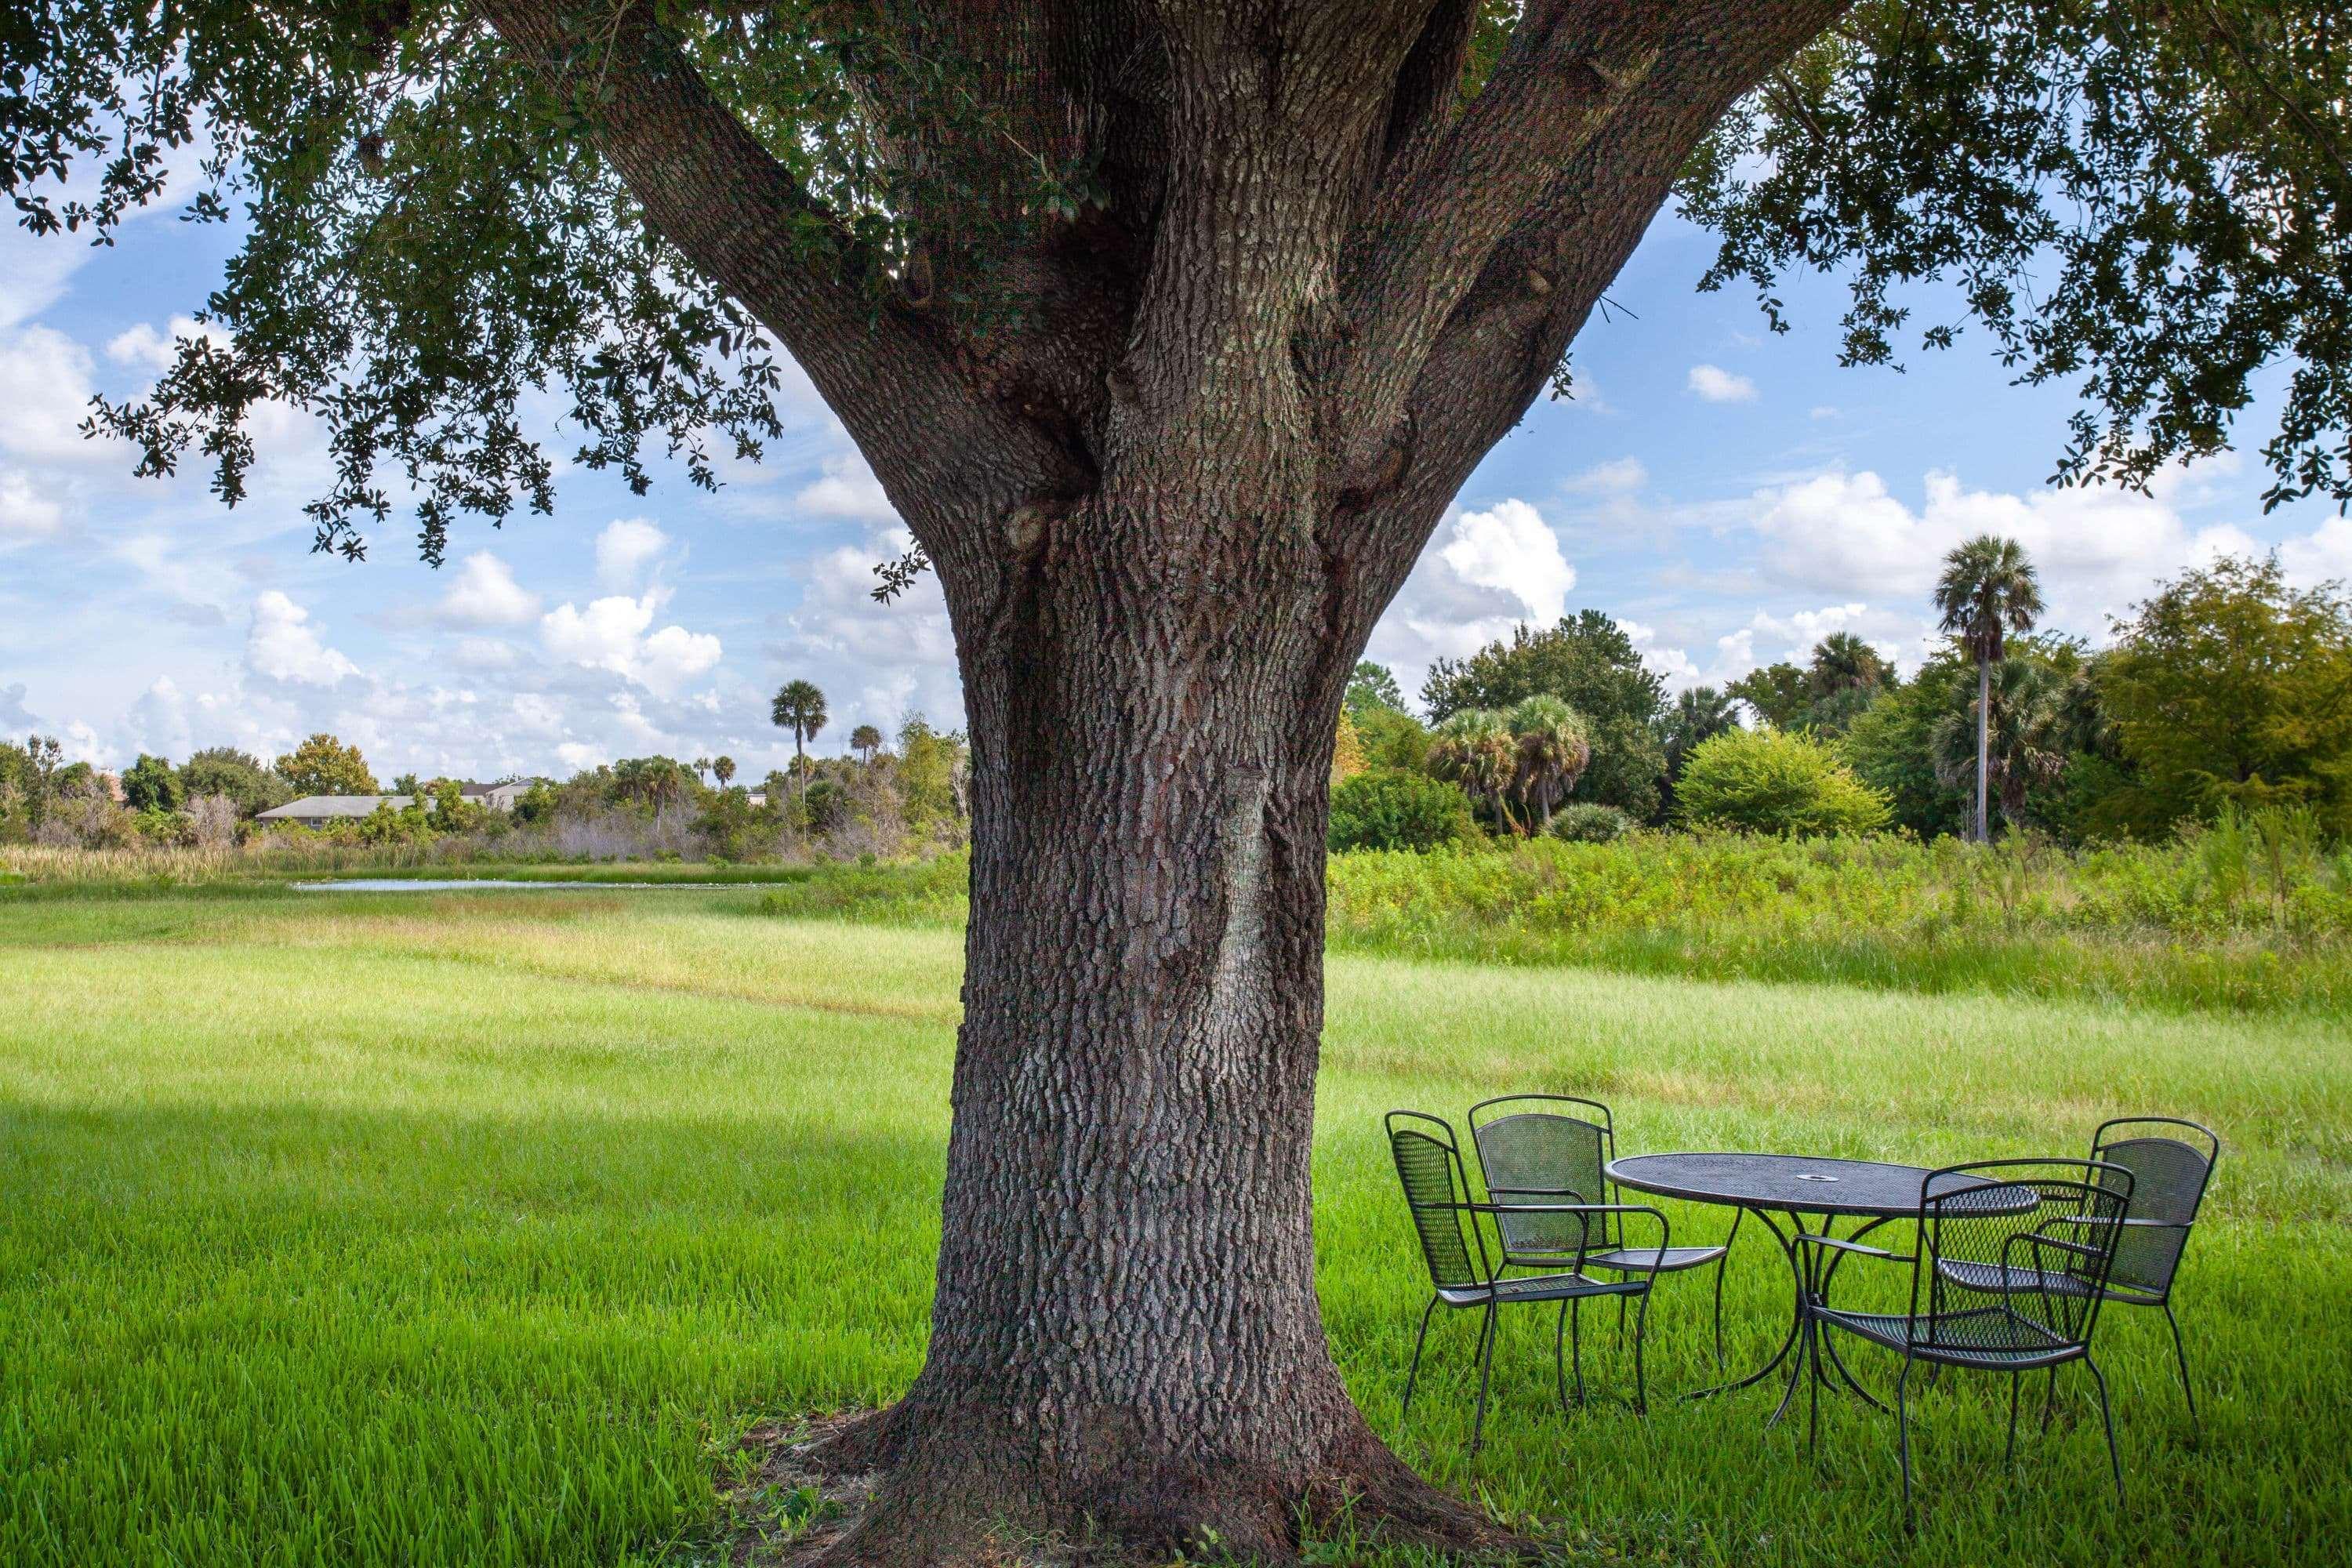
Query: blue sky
x=1730, y=494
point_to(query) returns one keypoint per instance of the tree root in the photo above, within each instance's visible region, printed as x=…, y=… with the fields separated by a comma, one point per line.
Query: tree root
x=899, y=1497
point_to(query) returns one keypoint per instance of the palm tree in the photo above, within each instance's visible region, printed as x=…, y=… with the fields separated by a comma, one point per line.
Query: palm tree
x=1699, y=714
x=1476, y=750
x=701, y=767
x=1551, y=746
x=1843, y=662
x=2021, y=743
x=800, y=707
x=722, y=769
x=866, y=740
x=1989, y=589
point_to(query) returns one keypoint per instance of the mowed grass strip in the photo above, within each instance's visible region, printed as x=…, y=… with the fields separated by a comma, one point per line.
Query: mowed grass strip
x=426, y=1229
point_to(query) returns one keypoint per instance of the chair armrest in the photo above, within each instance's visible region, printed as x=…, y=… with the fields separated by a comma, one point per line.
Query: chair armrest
x=1569, y=1193
x=1806, y=1238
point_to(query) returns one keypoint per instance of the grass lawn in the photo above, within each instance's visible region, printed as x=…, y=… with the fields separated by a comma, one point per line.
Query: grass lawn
x=468, y=1228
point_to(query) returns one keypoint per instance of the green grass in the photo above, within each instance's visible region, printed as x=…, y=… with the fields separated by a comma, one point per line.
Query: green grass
x=464, y=1228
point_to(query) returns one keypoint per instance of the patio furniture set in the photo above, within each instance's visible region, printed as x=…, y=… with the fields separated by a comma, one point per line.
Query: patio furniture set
x=2011, y=1263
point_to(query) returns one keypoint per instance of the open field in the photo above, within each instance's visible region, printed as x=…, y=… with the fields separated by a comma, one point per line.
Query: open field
x=470, y=1228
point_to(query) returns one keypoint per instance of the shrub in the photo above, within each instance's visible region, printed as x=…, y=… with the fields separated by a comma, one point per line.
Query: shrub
x=1388, y=808
x=1771, y=781
x=1590, y=822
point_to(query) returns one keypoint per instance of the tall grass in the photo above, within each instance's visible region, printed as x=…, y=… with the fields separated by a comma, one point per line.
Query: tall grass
x=2215, y=922
x=459, y=1229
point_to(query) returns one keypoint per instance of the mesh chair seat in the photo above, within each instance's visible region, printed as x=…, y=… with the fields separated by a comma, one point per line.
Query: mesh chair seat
x=1986, y=1337
x=2010, y=1279
x=1535, y=1287
x=1622, y=1260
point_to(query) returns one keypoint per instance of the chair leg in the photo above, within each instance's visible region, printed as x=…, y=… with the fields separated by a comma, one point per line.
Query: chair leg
x=1410, y=1376
x=1486, y=1373
x=1559, y=1365
x=1575, y=1342
x=2009, y=1458
x=1718, y=1300
x=1641, y=1336
x=1619, y=1343
x=2115, y=1455
x=1813, y=1387
x=1902, y=1437
x=2180, y=1356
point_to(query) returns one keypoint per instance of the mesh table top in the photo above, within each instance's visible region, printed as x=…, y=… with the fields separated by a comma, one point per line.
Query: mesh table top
x=1796, y=1184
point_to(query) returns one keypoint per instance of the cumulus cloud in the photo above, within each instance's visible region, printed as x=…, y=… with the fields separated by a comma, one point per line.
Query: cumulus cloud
x=160, y=351
x=26, y=511
x=2098, y=547
x=1717, y=385
x=45, y=390
x=1620, y=475
x=612, y=634
x=626, y=547
x=847, y=488
x=487, y=594
x=14, y=717
x=1487, y=572
x=283, y=646
x=2323, y=555
x=879, y=662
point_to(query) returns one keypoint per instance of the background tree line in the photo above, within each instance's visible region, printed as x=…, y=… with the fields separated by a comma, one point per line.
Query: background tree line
x=2229, y=689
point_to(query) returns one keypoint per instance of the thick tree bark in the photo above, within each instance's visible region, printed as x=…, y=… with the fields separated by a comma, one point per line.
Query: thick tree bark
x=1166, y=514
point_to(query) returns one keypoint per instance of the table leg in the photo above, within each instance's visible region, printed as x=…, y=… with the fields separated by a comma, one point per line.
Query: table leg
x=1808, y=1358
x=1829, y=1343
x=1796, y=1319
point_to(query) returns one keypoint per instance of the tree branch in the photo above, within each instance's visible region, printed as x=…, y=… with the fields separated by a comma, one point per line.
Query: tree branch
x=1497, y=347
x=1568, y=69
x=949, y=458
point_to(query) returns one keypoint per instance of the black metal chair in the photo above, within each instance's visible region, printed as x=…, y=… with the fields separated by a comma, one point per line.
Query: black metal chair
x=1463, y=1272
x=1534, y=1147
x=2169, y=1174
x=2037, y=1237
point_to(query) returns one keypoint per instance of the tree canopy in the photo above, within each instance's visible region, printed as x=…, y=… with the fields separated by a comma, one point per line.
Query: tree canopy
x=1589, y=662
x=445, y=207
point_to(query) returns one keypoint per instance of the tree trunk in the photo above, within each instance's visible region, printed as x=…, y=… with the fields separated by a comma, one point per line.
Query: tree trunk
x=1126, y=1337
x=1984, y=744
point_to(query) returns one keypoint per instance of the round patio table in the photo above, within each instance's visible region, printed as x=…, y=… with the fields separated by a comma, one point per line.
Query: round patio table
x=1795, y=1187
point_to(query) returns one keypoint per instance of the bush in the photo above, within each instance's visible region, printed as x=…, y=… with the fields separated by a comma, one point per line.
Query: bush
x=1388, y=808
x=1589, y=822
x=1771, y=781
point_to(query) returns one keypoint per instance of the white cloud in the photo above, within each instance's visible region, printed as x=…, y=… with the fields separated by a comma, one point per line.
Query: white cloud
x=25, y=512
x=848, y=488
x=1720, y=386
x=2323, y=555
x=15, y=719
x=283, y=646
x=159, y=351
x=611, y=635
x=1488, y=571
x=45, y=394
x=2097, y=547
x=487, y=594
x=624, y=549
x=1620, y=476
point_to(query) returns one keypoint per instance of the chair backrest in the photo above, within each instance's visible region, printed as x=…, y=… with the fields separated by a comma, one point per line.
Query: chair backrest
x=2051, y=1225
x=1429, y=1165
x=1546, y=1149
x=2171, y=1163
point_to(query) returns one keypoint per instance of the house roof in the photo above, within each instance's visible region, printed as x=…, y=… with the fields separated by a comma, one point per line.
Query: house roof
x=312, y=806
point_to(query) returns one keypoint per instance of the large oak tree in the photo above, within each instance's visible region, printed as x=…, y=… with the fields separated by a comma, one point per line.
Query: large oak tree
x=1170, y=329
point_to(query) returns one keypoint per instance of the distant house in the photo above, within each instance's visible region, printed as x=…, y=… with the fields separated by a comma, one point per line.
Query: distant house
x=319, y=810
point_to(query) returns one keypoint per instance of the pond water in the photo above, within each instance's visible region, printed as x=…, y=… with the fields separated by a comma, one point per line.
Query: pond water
x=455, y=885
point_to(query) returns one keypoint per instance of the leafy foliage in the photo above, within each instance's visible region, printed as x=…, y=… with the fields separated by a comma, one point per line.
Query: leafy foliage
x=1771, y=781
x=1587, y=822
x=324, y=765
x=1589, y=662
x=1390, y=809
x=2148, y=198
x=2229, y=686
